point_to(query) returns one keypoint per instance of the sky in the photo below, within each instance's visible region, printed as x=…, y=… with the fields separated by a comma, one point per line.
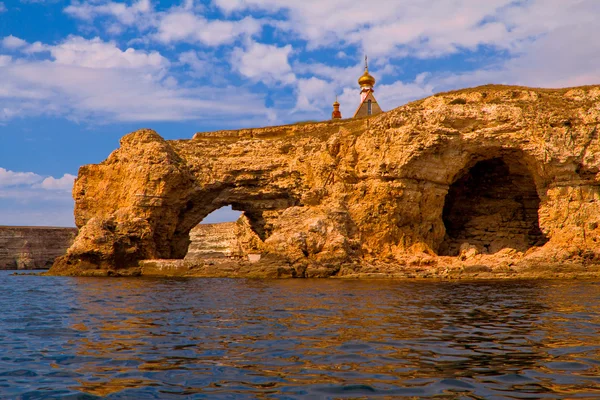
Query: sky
x=75, y=76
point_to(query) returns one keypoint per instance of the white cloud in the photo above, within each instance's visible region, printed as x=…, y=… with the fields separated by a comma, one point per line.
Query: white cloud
x=36, y=47
x=13, y=42
x=397, y=28
x=65, y=183
x=27, y=198
x=181, y=23
x=11, y=178
x=263, y=62
x=549, y=46
x=563, y=56
x=5, y=60
x=2, y=7
x=433, y=27
x=26, y=180
x=87, y=78
x=198, y=64
x=127, y=15
x=314, y=94
x=30, y=199
x=192, y=59
x=398, y=93
x=95, y=53
x=91, y=78
x=185, y=26
x=342, y=76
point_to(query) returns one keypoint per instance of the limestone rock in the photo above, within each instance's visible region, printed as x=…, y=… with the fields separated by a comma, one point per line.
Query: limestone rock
x=396, y=194
x=33, y=247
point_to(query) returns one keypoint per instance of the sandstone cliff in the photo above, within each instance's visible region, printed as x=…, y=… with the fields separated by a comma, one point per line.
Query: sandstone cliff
x=493, y=177
x=33, y=247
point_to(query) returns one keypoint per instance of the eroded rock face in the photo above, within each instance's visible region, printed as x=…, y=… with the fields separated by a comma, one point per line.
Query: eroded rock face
x=508, y=174
x=30, y=247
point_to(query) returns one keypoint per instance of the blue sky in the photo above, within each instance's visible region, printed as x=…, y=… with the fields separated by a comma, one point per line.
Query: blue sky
x=75, y=76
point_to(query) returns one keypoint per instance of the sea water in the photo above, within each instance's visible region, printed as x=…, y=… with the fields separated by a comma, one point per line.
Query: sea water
x=138, y=338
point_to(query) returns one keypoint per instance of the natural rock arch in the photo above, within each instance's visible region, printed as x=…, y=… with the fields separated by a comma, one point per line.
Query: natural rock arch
x=260, y=211
x=347, y=196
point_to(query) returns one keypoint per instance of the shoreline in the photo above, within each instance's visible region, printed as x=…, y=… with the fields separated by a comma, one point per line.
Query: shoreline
x=274, y=270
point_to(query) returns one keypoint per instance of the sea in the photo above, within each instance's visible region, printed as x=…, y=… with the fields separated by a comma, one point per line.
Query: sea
x=142, y=338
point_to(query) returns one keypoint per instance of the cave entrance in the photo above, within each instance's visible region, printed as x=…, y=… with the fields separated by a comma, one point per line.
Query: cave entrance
x=492, y=206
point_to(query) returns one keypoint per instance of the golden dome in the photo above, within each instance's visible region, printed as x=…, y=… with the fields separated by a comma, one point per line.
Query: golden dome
x=336, y=103
x=366, y=79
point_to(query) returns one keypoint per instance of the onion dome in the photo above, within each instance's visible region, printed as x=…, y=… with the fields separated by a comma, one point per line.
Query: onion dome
x=366, y=79
x=336, y=103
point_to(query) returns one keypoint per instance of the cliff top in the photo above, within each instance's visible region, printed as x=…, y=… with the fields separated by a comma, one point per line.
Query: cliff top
x=487, y=94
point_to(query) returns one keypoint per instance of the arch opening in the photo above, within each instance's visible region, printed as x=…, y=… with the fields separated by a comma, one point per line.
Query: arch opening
x=492, y=206
x=224, y=214
x=258, y=212
x=226, y=233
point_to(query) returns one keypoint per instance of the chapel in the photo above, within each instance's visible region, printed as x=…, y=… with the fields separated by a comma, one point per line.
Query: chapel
x=368, y=104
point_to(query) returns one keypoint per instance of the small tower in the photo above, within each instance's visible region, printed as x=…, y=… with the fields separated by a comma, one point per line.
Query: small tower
x=336, y=114
x=368, y=104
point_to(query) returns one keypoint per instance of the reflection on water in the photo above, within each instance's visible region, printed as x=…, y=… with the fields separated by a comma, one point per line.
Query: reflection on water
x=221, y=338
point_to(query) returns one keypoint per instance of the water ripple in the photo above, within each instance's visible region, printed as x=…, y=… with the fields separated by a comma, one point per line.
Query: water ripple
x=87, y=338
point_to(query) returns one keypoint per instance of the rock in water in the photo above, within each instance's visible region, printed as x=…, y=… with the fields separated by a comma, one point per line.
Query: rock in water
x=511, y=171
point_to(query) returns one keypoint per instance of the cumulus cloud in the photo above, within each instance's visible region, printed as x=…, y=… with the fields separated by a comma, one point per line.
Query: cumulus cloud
x=11, y=178
x=91, y=78
x=65, y=183
x=547, y=45
x=13, y=42
x=180, y=23
x=419, y=28
x=433, y=27
x=95, y=78
x=341, y=76
x=95, y=53
x=27, y=198
x=313, y=94
x=192, y=59
x=125, y=14
x=30, y=180
x=185, y=26
x=5, y=60
x=563, y=56
x=263, y=62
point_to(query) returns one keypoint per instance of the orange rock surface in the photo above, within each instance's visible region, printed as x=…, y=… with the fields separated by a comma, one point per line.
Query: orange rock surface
x=494, y=179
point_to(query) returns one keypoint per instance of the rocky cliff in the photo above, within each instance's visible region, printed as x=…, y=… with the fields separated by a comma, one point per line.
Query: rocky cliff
x=33, y=247
x=494, y=178
x=213, y=241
